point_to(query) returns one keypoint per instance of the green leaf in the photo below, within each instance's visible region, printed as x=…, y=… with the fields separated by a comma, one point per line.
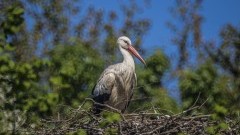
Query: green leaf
x=52, y=98
x=14, y=29
x=211, y=130
x=109, y=117
x=78, y=132
x=220, y=109
x=4, y=68
x=27, y=84
x=223, y=125
x=18, y=11
x=56, y=80
x=43, y=106
x=111, y=131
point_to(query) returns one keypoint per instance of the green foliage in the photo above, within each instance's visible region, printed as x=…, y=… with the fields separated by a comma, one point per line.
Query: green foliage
x=149, y=92
x=78, y=132
x=212, y=130
x=13, y=20
x=109, y=117
x=216, y=80
x=72, y=57
x=20, y=81
x=74, y=71
x=226, y=56
x=150, y=77
x=195, y=82
x=202, y=85
x=54, y=60
x=158, y=63
x=111, y=131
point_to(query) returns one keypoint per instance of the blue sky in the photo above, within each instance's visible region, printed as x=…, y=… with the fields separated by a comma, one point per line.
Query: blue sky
x=216, y=13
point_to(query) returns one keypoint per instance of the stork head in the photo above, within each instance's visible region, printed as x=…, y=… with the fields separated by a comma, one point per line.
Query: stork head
x=125, y=43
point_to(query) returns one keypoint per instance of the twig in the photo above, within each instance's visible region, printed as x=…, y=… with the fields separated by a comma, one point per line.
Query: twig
x=192, y=108
x=105, y=105
x=134, y=123
x=194, y=104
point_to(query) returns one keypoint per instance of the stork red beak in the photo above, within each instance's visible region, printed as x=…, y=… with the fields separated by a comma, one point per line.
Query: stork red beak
x=135, y=53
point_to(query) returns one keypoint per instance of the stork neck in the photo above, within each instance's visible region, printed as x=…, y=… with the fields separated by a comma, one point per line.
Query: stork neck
x=127, y=58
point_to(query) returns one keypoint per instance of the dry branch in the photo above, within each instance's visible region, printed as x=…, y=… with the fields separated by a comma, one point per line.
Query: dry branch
x=144, y=123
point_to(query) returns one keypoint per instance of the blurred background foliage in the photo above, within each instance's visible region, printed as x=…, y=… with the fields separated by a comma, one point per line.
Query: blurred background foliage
x=48, y=59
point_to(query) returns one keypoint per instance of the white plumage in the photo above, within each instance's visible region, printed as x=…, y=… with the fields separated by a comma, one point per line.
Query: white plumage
x=115, y=85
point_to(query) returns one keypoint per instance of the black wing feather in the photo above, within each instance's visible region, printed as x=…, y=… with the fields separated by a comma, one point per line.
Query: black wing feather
x=102, y=91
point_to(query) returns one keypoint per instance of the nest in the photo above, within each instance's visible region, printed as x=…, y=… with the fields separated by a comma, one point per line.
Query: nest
x=147, y=122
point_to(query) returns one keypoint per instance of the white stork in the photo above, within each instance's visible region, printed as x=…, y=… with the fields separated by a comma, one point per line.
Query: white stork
x=115, y=85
